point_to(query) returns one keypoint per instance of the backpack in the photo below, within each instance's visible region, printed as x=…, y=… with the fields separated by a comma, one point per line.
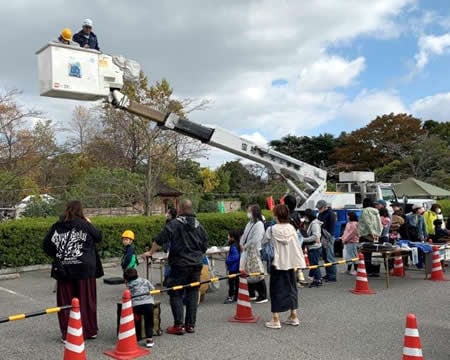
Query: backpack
x=267, y=251
x=268, y=223
x=294, y=219
x=327, y=239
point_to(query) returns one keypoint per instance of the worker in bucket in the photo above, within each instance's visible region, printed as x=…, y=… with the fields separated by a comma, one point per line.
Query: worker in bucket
x=66, y=37
x=86, y=37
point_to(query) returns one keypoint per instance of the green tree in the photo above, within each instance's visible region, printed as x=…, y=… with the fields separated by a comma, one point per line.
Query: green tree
x=439, y=129
x=241, y=179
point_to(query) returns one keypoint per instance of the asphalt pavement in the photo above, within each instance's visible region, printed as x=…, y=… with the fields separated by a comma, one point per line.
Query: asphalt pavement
x=334, y=323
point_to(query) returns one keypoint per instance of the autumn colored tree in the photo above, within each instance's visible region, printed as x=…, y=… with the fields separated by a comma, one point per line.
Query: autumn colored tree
x=385, y=139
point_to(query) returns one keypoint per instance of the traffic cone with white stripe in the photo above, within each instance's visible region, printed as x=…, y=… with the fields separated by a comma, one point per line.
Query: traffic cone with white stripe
x=436, y=270
x=127, y=346
x=399, y=270
x=362, y=283
x=244, y=313
x=305, y=252
x=74, y=345
x=412, y=349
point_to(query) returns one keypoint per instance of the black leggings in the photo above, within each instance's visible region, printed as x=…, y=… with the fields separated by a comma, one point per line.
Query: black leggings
x=233, y=287
x=260, y=288
x=147, y=311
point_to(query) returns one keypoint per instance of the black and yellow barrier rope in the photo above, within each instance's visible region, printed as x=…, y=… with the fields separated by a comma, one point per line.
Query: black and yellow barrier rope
x=52, y=310
x=232, y=276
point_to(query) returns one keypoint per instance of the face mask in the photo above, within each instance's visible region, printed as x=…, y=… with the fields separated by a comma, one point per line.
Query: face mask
x=249, y=215
x=438, y=211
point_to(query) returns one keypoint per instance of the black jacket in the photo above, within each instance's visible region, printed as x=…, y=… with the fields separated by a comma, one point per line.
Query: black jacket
x=92, y=41
x=188, y=241
x=73, y=243
x=328, y=218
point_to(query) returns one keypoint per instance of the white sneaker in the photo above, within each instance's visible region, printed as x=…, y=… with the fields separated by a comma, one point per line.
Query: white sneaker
x=273, y=324
x=293, y=322
x=353, y=273
x=253, y=298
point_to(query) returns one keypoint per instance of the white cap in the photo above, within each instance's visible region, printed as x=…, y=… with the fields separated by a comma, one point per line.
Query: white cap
x=88, y=22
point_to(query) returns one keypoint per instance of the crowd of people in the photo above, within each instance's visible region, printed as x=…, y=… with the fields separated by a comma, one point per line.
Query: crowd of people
x=71, y=242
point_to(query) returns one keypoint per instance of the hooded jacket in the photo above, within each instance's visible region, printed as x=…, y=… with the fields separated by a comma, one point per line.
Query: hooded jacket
x=314, y=235
x=73, y=243
x=369, y=222
x=188, y=241
x=287, y=251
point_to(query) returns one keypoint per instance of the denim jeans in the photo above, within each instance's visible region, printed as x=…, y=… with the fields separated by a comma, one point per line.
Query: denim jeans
x=328, y=257
x=183, y=275
x=314, y=258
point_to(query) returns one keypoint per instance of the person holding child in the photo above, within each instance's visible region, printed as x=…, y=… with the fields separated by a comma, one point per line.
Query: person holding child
x=232, y=263
x=141, y=300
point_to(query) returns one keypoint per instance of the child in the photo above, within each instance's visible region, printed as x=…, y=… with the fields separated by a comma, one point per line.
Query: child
x=129, y=258
x=350, y=239
x=232, y=263
x=142, y=301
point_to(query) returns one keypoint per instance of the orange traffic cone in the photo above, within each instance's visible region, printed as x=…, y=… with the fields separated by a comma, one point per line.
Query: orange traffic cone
x=436, y=270
x=412, y=349
x=127, y=346
x=362, y=284
x=399, y=270
x=244, y=313
x=305, y=252
x=74, y=348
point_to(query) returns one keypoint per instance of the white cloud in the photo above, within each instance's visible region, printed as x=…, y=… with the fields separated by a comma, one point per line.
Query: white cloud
x=435, y=107
x=431, y=45
x=330, y=72
x=229, y=51
x=257, y=138
x=368, y=105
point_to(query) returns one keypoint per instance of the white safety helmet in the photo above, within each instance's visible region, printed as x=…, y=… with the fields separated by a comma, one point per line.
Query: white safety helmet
x=88, y=22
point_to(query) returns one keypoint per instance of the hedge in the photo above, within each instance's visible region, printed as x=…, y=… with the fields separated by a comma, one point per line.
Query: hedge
x=21, y=240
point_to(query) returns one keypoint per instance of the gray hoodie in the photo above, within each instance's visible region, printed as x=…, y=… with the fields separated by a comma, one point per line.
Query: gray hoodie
x=314, y=232
x=141, y=289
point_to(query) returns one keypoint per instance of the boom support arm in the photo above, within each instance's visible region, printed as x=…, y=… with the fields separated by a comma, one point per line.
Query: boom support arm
x=314, y=178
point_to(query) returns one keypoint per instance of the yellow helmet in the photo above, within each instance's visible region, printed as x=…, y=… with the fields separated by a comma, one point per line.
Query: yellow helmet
x=128, y=234
x=66, y=34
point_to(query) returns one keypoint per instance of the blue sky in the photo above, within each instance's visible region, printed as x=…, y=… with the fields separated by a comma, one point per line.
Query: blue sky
x=267, y=67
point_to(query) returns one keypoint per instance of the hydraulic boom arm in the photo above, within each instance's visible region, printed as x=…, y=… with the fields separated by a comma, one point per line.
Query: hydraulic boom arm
x=314, y=178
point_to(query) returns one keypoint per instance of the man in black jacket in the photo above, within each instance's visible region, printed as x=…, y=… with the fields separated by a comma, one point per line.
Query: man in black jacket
x=188, y=244
x=86, y=38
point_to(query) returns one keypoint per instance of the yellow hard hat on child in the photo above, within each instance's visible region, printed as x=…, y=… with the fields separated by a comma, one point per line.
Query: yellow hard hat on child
x=128, y=234
x=66, y=34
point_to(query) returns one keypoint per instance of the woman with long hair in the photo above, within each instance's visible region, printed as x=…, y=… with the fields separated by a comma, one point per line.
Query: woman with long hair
x=250, y=246
x=76, y=265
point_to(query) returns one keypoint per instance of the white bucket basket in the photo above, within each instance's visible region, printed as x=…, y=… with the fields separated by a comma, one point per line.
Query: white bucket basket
x=76, y=73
